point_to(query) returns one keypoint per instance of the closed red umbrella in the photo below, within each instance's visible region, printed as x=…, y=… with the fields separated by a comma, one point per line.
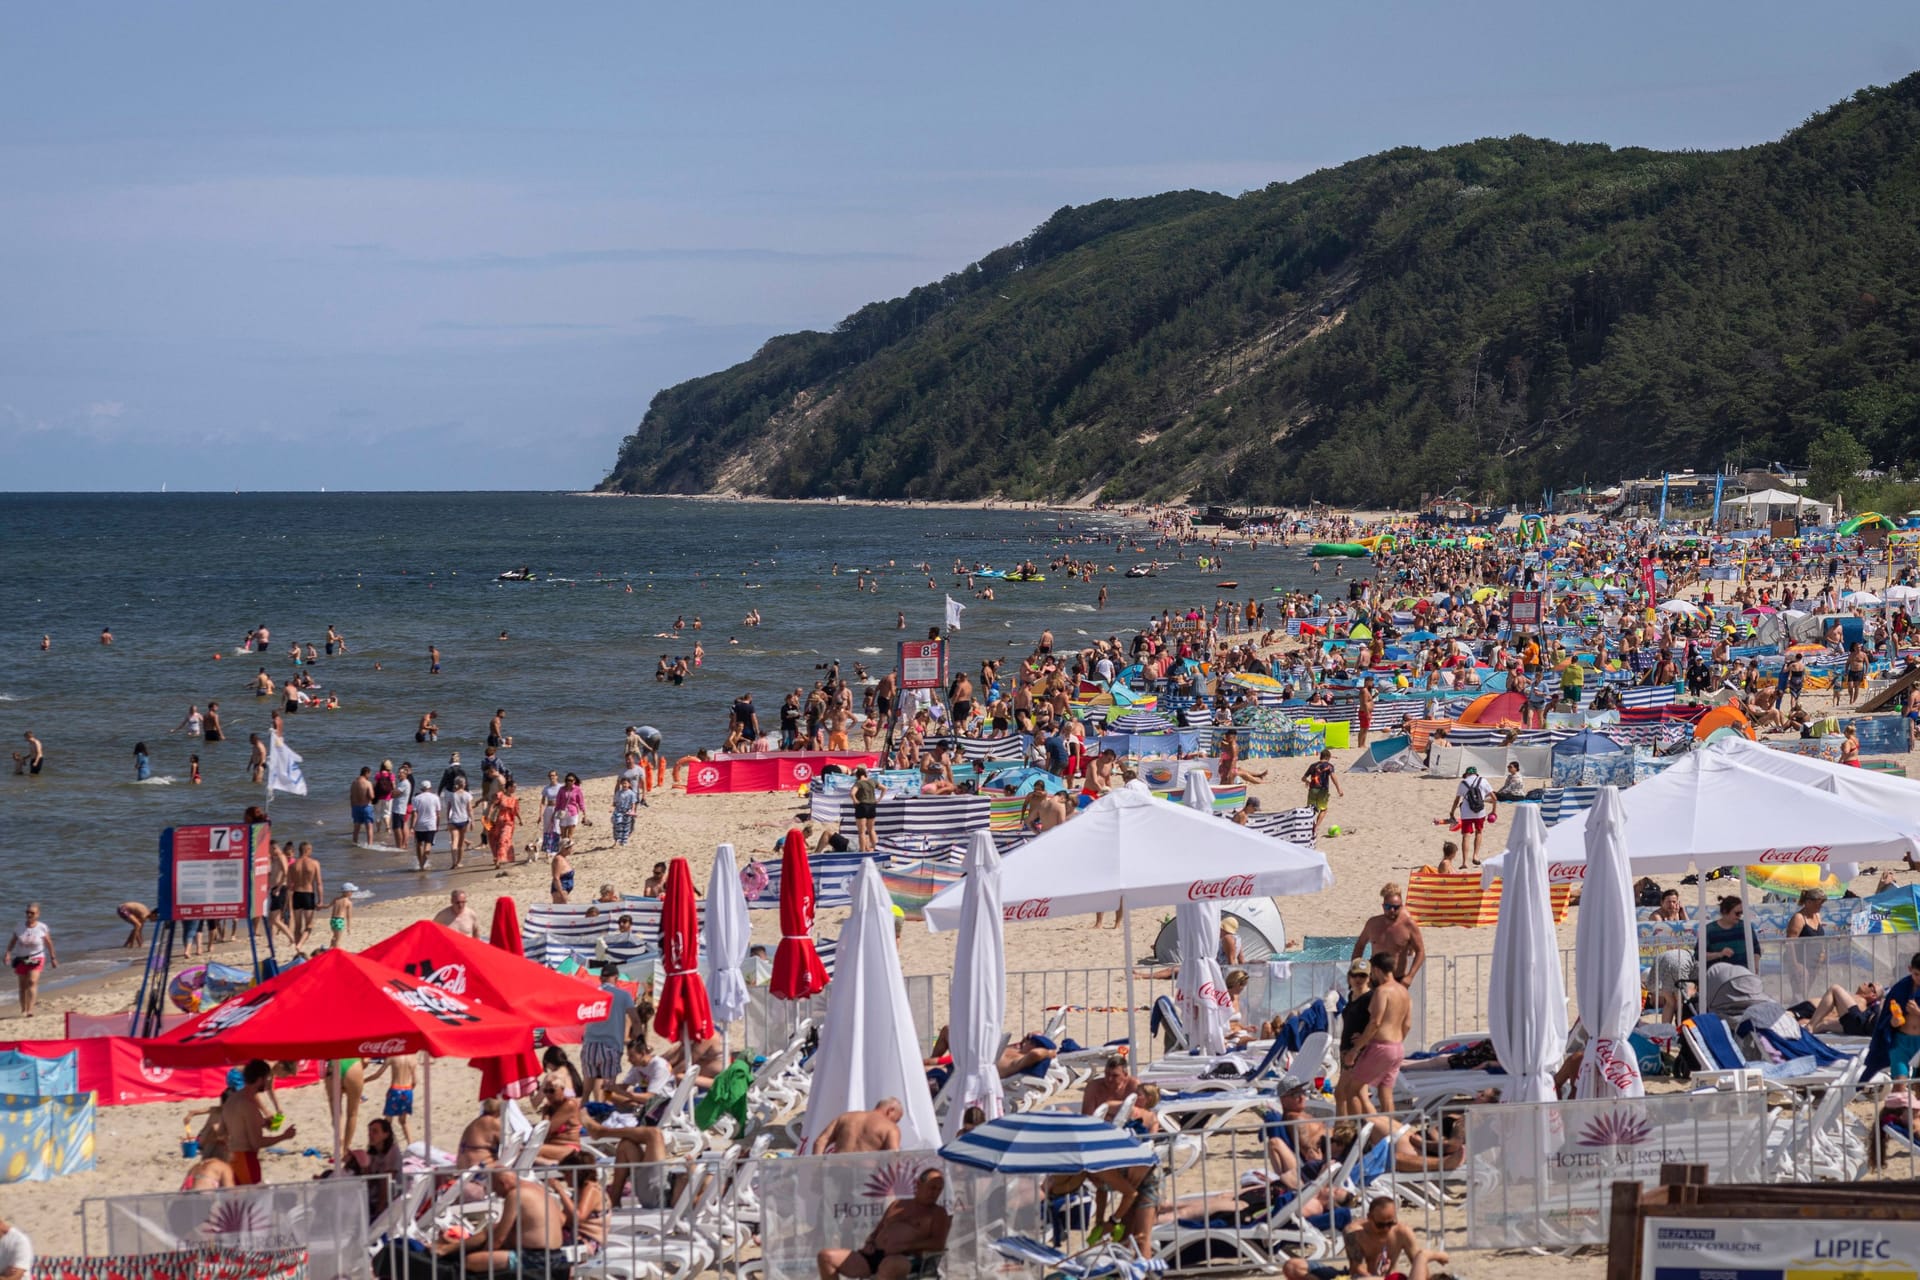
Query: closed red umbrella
x=505, y=933
x=516, y=1075
x=683, y=1012
x=797, y=971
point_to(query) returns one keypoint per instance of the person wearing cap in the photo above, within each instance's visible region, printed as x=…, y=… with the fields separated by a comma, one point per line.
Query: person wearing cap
x=1475, y=804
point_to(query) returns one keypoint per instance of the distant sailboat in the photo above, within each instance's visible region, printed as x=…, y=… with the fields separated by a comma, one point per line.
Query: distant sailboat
x=163, y=486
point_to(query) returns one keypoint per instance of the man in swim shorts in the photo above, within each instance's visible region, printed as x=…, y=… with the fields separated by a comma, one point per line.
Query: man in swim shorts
x=1374, y=1059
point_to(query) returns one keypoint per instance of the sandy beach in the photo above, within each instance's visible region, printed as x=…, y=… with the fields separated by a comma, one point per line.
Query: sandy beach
x=1387, y=824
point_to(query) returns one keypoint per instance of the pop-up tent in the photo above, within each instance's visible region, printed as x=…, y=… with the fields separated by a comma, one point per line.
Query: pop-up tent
x=1388, y=755
x=1261, y=932
x=1495, y=709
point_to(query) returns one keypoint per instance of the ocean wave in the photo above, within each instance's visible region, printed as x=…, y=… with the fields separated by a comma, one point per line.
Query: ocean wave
x=8, y=697
x=869, y=649
x=1076, y=608
x=157, y=780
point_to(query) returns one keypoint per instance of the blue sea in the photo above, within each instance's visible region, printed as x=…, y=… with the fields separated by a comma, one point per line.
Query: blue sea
x=181, y=578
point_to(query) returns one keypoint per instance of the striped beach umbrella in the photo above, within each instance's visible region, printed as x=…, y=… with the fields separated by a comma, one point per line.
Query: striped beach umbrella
x=1047, y=1142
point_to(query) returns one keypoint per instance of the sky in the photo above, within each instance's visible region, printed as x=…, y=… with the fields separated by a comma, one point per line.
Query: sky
x=461, y=246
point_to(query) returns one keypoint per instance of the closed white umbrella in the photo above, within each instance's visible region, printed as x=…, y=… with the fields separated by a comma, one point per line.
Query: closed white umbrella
x=728, y=934
x=1526, y=999
x=1130, y=850
x=976, y=1002
x=1199, y=988
x=868, y=1050
x=1606, y=959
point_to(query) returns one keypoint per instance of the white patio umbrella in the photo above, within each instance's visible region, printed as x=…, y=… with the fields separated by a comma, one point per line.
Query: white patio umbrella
x=1606, y=959
x=868, y=1049
x=1713, y=809
x=977, y=999
x=1901, y=593
x=728, y=935
x=1526, y=998
x=1199, y=988
x=1130, y=850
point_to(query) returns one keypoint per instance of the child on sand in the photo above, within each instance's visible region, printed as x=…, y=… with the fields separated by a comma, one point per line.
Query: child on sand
x=399, y=1104
x=340, y=913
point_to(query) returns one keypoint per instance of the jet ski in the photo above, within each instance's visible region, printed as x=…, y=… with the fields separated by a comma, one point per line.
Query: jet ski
x=522, y=574
x=1141, y=571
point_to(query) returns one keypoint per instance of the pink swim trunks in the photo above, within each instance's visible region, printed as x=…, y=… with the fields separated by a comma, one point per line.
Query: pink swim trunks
x=1378, y=1064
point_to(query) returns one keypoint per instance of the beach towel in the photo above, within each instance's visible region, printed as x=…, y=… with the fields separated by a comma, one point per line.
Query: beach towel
x=1458, y=901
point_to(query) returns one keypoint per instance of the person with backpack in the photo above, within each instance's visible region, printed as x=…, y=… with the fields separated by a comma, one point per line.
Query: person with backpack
x=1475, y=805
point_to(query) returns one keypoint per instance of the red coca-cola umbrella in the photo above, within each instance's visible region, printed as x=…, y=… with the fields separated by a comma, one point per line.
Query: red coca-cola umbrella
x=490, y=975
x=797, y=971
x=342, y=1005
x=683, y=1013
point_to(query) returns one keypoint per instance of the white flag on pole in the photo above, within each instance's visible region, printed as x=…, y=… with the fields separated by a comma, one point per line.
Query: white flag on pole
x=284, y=771
x=954, y=610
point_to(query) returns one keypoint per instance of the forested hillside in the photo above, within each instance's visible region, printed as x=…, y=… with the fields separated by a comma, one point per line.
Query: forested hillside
x=1506, y=314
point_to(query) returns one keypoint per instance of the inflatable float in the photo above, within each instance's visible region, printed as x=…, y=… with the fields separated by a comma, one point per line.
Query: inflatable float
x=1338, y=549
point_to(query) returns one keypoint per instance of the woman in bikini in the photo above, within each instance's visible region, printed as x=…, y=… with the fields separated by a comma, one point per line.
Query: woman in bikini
x=561, y=1106
x=585, y=1203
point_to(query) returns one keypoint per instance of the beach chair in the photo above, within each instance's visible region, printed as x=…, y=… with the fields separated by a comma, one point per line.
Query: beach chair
x=1260, y=1238
x=1712, y=1044
x=1115, y=1260
x=1825, y=1146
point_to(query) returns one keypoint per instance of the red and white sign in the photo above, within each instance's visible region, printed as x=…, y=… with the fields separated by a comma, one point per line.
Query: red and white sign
x=1524, y=609
x=769, y=770
x=207, y=870
x=923, y=664
x=1031, y=909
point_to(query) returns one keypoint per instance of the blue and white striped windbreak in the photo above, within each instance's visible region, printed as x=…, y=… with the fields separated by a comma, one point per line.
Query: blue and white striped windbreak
x=1140, y=722
x=1048, y=1142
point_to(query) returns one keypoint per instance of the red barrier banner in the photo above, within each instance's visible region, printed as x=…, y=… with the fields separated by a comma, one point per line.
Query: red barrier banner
x=769, y=770
x=115, y=1069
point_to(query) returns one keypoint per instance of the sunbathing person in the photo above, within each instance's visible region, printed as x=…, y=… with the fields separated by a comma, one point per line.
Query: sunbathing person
x=1843, y=1012
x=907, y=1241
x=1112, y=1084
x=1022, y=1058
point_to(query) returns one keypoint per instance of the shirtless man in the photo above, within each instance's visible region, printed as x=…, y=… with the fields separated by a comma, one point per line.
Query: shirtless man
x=897, y=1247
x=1380, y=1238
x=360, y=801
x=1374, y=1059
x=530, y=1232
x=875, y=1130
x=263, y=685
x=1049, y=811
x=244, y=1113
x=30, y=760
x=1394, y=930
x=305, y=884
x=1113, y=1084
x=277, y=863
x=458, y=916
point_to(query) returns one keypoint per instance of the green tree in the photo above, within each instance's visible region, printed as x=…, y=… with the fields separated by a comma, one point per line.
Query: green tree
x=1834, y=462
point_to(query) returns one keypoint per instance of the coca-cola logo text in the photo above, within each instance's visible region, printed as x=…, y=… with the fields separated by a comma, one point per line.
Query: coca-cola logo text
x=434, y=1002
x=1230, y=887
x=591, y=1012
x=1562, y=872
x=228, y=1016
x=1209, y=992
x=1031, y=909
x=1806, y=853
x=383, y=1048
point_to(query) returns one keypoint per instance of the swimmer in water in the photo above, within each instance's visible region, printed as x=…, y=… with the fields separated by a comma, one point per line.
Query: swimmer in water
x=46, y=643
x=193, y=769
x=106, y=636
